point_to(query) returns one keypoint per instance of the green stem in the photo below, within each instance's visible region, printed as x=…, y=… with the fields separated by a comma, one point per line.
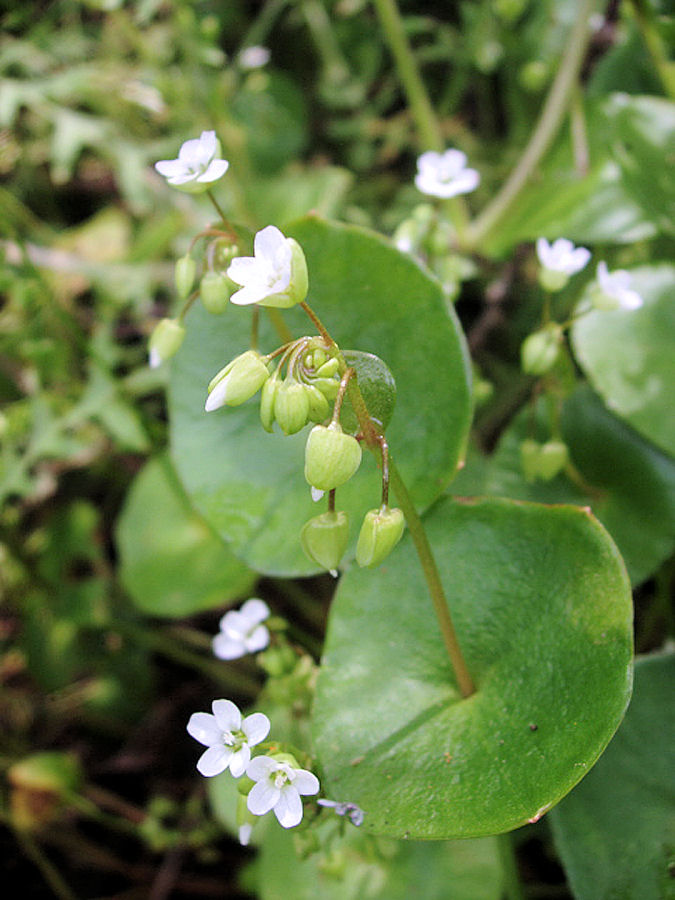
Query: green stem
x=550, y=119
x=426, y=122
x=216, y=206
x=373, y=440
x=644, y=17
x=511, y=879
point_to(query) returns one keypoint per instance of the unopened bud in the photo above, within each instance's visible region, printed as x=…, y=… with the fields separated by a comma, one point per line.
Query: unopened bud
x=291, y=406
x=324, y=538
x=539, y=351
x=529, y=459
x=184, y=275
x=331, y=457
x=318, y=405
x=267, y=398
x=552, y=279
x=165, y=341
x=239, y=380
x=215, y=290
x=381, y=531
x=553, y=458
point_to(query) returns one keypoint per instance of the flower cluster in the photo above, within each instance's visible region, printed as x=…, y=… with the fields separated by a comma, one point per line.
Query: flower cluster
x=279, y=780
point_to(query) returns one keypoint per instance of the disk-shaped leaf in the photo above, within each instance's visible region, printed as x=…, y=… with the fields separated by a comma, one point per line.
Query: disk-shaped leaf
x=171, y=562
x=616, y=830
x=627, y=482
x=629, y=355
x=249, y=484
x=542, y=608
x=377, y=387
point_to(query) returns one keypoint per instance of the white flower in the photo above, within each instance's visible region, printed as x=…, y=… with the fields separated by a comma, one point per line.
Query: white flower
x=228, y=738
x=241, y=631
x=278, y=787
x=197, y=165
x=445, y=174
x=562, y=256
x=275, y=276
x=254, y=57
x=613, y=291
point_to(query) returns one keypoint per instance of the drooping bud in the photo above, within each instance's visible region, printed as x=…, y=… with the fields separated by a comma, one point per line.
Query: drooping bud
x=215, y=290
x=184, y=275
x=324, y=538
x=291, y=406
x=381, y=531
x=331, y=456
x=267, y=398
x=529, y=459
x=165, y=341
x=553, y=457
x=329, y=387
x=539, y=351
x=318, y=405
x=239, y=380
x=552, y=279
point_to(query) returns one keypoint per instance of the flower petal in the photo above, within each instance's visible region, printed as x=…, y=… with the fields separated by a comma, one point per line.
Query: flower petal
x=262, y=797
x=256, y=727
x=225, y=647
x=170, y=167
x=191, y=153
x=244, y=269
x=215, y=170
x=258, y=639
x=204, y=728
x=214, y=761
x=239, y=761
x=227, y=715
x=248, y=295
x=288, y=808
x=216, y=398
x=261, y=767
x=267, y=242
x=255, y=610
x=305, y=782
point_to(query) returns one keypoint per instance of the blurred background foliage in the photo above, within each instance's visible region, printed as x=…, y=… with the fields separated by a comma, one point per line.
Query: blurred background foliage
x=103, y=640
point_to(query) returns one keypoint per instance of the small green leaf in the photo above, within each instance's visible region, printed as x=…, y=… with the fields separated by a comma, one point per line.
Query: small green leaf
x=542, y=608
x=629, y=355
x=377, y=386
x=616, y=830
x=171, y=563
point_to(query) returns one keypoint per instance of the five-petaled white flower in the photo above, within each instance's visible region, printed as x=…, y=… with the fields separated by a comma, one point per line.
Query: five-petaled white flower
x=278, y=787
x=613, y=290
x=275, y=276
x=562, y=256
x=197, y=166
x=354, y=813
x=445, y=174
x=227, y=737
x=241, y=631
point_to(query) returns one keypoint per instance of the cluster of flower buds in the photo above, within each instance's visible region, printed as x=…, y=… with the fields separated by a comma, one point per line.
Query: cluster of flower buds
x=307, y=391
x=543, y=461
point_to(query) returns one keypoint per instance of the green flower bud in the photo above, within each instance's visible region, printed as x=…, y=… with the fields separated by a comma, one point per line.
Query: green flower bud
x=553, y=457
x=381, y=531
x=329, y=387
x=165, y=341
x=328, y=368
x=534, y=75
x=215, y=290
x=539, y=351
x=184, y=275
x=324, y=538
x=318, y=405
x=267, y=398
x=239, y=380
x=529, y=459
x=244, y=785
x=291, y=406
x=331, y=457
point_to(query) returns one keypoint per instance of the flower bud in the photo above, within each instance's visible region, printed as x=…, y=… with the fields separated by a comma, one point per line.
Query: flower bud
x=267, y=398
x=318, y=405
x=291, y=406
x=215, y=290
x=239, y=380
x=331, y=457
x=381, y=531
x=165, y=341
x=329, y=387
x=184, y=275
x=324, y=538
x=328, y=368
x=540, y=350
x=553, y=457
x=552, y=279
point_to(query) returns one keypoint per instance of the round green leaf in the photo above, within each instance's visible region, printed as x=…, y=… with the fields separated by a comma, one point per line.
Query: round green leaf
x=629, y=355
x=171, y=562
x=377, y=387
x=542, y=608
x=627, y=482
x=249, y=484
x=616, y=830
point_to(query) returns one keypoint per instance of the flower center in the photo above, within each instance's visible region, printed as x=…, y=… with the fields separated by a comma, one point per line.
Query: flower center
x=280, y=778
x=234, y=739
